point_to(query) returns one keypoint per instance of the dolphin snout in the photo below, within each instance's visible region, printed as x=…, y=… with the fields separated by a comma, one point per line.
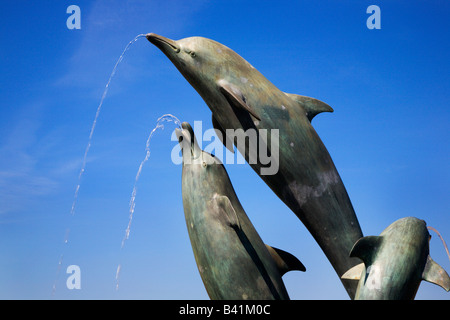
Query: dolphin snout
x=186, y=139
x=184, y=135
x=162, y=42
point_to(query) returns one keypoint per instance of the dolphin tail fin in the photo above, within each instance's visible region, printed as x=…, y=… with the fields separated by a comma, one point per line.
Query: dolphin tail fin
x=434, y=273
x=312, y=106
x=354, y=273
x=222, y=136
x=285, y=261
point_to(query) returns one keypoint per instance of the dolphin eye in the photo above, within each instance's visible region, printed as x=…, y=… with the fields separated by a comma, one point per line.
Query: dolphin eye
x=191, y=53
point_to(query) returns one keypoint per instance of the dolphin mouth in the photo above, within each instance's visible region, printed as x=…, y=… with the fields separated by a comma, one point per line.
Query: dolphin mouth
x=179, y=134
x=162, y=42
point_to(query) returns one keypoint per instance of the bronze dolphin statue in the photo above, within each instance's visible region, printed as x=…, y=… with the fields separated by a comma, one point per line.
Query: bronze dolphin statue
x=395, y=262
x=233, y=261
x=240, y=97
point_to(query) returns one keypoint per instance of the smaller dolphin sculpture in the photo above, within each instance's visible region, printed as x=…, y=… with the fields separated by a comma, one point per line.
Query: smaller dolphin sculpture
x=233, y=261
x=395, y=262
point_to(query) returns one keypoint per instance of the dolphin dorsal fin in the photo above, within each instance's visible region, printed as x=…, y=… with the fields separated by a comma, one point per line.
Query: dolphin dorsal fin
x=366, y=248
x=312, y=106
x=227, y=142
x=354, y=273
x=434, y=273
x=285, y=261
x=235, y=97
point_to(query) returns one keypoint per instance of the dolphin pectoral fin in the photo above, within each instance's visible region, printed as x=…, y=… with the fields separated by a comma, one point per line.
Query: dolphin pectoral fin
x=227, y=211
x=365, y=248
x=354, y=273
x=236, y=99
x=223, y=137
x=312, y=106
x=285, y=261
x=434, y=273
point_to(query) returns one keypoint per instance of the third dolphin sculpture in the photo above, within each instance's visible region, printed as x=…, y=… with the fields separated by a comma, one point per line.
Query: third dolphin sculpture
x=240, y=97
x=395, y=262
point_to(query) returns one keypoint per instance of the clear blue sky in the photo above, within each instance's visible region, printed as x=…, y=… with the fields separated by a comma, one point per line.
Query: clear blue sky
x=388, y=136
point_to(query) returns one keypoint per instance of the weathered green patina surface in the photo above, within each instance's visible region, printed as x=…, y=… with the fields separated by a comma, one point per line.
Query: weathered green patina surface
x=395, y=262
x=233, y=261
x=240, y=97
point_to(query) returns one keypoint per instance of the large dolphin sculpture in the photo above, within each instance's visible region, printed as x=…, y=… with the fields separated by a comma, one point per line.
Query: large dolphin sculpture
x=395, y=262
x=233, y=261
x=240, y=97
